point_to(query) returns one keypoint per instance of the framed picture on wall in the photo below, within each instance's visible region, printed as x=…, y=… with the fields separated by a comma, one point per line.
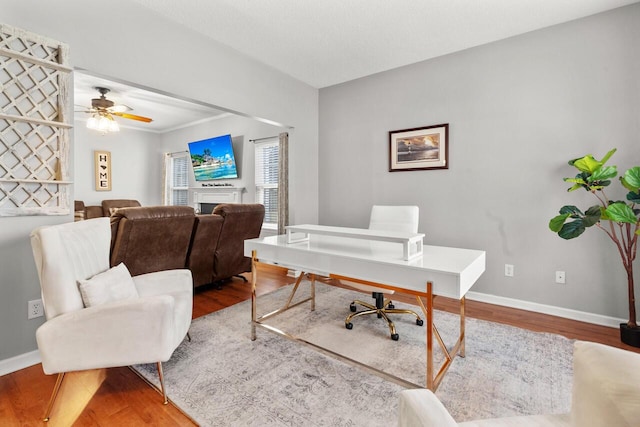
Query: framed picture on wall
x=419, y=148
x=102, y=161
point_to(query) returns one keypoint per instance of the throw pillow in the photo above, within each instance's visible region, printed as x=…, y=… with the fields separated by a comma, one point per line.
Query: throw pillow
x=114, y=284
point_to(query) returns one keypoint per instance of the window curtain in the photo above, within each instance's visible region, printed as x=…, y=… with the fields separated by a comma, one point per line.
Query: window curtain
x=283, y=182
x=166, y=158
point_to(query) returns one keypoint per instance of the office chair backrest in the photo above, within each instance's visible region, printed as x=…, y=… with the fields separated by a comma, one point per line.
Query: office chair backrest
x=395, y=218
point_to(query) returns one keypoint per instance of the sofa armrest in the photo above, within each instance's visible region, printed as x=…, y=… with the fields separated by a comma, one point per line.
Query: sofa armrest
x=420, y=407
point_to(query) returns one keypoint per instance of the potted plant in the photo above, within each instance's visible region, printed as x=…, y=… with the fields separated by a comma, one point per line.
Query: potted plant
x=619, y=219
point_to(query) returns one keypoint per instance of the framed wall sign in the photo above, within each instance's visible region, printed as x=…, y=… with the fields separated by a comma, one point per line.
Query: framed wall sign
x=419, y=148
x=102, y=160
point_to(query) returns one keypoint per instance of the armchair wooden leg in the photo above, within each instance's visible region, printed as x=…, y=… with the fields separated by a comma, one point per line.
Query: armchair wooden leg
x=161, y=376
x=54, y=394
x=188, y=337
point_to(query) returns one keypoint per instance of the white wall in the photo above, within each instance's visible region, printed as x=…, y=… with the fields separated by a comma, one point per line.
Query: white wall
x=124, y=40
x=518, y=110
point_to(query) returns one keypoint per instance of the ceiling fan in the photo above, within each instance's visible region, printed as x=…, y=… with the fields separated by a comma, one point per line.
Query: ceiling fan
x=102, y=111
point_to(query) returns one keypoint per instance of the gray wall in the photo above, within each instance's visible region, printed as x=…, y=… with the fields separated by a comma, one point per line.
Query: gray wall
x=136, y=165
x=125, y=41
x=518, y=110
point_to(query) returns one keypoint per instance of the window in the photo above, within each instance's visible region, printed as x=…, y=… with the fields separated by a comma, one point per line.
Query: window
x=266, y=160
x=177, y=179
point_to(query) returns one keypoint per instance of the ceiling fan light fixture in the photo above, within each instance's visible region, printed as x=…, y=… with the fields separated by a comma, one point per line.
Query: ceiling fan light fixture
x=103, y=122
x=113, y=125
x=92, y=123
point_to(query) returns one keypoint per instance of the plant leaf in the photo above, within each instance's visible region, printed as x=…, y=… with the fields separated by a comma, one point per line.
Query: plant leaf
x=633, y=197
x=556, y=223
x=603, y=173
x=572, y=229
x=608, y=156
x=587, y=164
x=592, y=216
x=631, y=179
x=621, y=212
x=573, y=211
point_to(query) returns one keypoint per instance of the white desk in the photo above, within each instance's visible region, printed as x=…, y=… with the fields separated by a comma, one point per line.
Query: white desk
x=439, y=270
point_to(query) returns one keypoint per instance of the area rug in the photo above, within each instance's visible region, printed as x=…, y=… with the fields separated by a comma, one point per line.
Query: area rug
x=222, y=378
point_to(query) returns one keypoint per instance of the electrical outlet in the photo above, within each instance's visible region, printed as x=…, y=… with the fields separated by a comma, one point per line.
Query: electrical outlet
x=508, y=270
x=560, y=277
x=35, y=309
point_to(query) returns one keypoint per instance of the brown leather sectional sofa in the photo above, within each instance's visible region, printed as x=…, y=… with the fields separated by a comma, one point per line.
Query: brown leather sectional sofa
x=148, y=239
x=106, y=208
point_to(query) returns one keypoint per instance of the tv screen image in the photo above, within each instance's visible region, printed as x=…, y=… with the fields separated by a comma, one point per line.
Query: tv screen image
x=213, y=158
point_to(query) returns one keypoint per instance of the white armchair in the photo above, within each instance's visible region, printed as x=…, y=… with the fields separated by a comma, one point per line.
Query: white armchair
x=144, y=324
x=606, y=393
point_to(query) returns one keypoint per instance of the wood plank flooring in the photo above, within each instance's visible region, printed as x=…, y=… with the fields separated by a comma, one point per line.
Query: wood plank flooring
x=117, y=396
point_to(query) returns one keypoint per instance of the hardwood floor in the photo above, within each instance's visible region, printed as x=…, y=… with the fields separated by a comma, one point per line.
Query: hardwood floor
x=117, y=396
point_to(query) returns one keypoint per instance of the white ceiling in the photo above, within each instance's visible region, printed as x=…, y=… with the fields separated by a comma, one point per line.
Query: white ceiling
x=168, y=113
x=326, y=42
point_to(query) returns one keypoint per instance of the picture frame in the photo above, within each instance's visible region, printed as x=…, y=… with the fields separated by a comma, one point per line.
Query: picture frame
x=420, y=148
x=102, y=162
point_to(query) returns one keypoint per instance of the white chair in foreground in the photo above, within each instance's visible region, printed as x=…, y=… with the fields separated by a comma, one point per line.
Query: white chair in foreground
x=392, y=218
x=606, y=393
x=99, y=317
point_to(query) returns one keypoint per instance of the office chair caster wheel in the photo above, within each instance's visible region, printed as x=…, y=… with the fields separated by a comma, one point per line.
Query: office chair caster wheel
x=348, y=325
x=352, y=307
x=419, y=322
x=391, y=306
x=395, y=337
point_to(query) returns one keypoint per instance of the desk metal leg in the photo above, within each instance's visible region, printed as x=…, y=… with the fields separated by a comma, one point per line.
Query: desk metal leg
x=429, y=318
x=433, y=379
x=462, y=331
x=254, y=279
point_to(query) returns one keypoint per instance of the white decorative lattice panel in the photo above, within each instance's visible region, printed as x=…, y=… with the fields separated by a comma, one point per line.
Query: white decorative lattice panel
x=34, y=132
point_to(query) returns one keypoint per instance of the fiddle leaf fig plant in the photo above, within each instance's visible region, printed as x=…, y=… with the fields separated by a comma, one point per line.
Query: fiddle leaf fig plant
x=619, y=219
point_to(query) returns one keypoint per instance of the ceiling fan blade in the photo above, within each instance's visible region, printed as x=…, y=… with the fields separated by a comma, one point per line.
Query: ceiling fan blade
x=133, y=117
x=121, y=108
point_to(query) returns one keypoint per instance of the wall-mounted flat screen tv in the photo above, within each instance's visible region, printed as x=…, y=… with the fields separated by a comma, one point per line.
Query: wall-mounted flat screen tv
x=213, y=158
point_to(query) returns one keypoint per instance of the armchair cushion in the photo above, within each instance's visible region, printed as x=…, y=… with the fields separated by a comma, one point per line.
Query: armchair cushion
x=114, y=284
x=606, y=386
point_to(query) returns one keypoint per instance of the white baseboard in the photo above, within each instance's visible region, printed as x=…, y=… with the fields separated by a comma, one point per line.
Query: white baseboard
x=21, y=361
x=566, y=313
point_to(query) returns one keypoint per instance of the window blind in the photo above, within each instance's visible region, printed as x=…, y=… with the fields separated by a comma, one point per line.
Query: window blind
x=266, y=179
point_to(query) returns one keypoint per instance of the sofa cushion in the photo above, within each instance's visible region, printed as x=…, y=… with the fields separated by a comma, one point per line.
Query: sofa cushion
x=110, y=206
x=153, y=238
x=114, y=284
x=241, y=222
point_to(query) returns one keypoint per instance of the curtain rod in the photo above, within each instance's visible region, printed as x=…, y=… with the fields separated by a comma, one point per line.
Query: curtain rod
x=262, y=139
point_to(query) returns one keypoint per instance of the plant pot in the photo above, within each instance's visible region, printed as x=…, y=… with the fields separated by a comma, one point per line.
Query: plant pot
x=630, y=336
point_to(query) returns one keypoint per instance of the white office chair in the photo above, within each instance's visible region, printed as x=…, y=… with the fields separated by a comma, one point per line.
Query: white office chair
x=395, y=218
x=127, y=320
